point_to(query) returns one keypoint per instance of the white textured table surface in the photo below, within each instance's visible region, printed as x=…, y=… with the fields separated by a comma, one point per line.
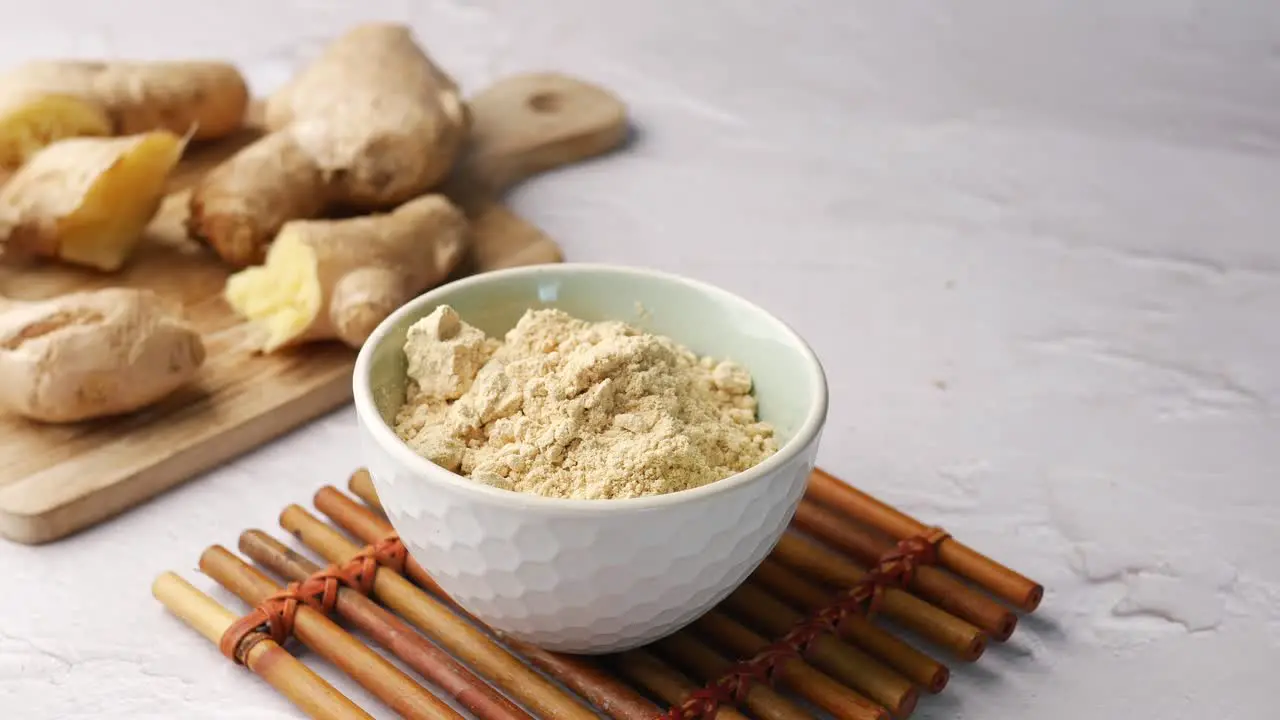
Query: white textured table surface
x=1035, y=245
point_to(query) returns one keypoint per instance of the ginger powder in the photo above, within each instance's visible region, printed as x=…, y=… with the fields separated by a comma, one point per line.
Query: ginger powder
x=567, y=408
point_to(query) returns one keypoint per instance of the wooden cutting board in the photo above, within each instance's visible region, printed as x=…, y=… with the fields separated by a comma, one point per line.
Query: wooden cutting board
x=55, y=480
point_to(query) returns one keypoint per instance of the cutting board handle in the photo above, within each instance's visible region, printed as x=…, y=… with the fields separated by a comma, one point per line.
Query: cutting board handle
x=527, y=124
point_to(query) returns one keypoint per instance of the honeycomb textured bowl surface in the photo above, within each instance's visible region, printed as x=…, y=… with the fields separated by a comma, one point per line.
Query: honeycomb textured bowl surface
x=577, y=582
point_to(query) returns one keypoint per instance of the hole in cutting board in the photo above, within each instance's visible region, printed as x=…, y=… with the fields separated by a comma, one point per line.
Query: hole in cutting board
x=545, y=102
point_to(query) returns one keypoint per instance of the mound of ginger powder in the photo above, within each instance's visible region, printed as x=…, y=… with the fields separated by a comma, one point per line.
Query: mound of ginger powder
x=566, y=408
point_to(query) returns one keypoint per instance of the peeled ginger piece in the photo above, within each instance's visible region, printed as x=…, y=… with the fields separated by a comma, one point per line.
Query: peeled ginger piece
x=282, y=296
x=30, y=122
x=87, y=200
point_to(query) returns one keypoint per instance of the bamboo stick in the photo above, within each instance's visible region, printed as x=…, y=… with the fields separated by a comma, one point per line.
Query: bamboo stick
x=930, y=583
x=361, y=485
x=388, y=631
x=299, y=684
x=841, y=661
x=432, y=617
x=596, y=687
x=797, y=675
x=655, y=676
x=375, y=674
x=686, y=651
x=965, y=641
x=605, y=692
x=360, y=522
x=1001, y=581
x=809, y=597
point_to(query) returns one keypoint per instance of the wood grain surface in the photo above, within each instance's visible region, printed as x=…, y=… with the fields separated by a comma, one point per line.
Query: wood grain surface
x=55, y=480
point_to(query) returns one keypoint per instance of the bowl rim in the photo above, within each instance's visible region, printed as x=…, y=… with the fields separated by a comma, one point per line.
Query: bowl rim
x=371, y=419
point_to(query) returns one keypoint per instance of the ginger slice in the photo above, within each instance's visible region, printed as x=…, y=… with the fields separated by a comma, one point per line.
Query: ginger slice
x=87, y=201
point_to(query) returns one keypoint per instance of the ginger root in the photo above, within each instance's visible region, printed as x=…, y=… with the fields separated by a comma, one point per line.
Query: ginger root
x=87, y=200
x=45, y=101
x=337, y=279
x=93, y=354
x=369, y=125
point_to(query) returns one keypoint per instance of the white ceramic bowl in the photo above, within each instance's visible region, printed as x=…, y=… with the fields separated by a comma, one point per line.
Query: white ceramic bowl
x=592, y=576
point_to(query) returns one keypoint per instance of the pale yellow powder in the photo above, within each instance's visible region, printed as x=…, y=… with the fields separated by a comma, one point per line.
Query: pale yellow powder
x=573, y=409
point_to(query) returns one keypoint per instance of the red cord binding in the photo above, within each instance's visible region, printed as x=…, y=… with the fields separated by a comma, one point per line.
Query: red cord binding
x=273, y=618
x=893, y=570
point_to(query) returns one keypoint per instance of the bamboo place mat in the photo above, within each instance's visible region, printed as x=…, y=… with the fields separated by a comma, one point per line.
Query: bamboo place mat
x=805, y=636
